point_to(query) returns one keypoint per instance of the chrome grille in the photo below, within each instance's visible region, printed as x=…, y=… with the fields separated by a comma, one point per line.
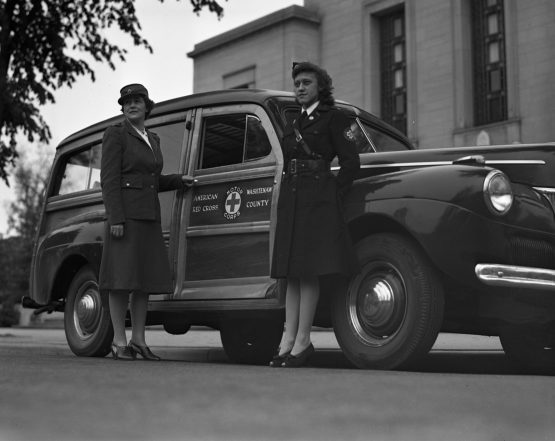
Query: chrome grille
x=549, y=194
x=532, y=252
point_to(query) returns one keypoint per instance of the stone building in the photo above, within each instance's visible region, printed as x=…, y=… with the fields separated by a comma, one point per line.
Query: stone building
x=445, y=72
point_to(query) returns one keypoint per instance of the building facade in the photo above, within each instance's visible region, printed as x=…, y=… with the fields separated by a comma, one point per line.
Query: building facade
x=445, y=72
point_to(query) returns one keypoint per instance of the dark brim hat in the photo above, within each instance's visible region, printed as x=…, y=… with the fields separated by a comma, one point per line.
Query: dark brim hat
x=133, y=89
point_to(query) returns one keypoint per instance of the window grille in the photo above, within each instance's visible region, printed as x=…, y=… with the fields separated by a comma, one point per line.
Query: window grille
x=393, y=69
x=489, y=63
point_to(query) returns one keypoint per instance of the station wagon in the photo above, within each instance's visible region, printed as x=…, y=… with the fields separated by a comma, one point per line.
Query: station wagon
x=449, y=240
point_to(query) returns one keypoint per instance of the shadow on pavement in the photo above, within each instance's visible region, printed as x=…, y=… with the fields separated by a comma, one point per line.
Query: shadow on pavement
x=457, y=362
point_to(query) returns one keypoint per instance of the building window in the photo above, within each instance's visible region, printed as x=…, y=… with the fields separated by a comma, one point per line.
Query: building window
x=489, y=64
x=241, y=79
x=393, y=69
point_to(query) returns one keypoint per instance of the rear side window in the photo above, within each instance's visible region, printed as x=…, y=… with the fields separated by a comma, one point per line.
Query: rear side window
x=80, y=171
x=232, y=139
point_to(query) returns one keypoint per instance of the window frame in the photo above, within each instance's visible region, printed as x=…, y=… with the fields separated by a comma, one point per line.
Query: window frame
x=60, y=168
x=198, y=146
x=390, y=93
x=485, y=111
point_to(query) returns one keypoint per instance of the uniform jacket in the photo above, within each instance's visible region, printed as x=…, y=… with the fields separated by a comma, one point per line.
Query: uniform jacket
x=311, y=233
x=130, y=175
x=328, y=133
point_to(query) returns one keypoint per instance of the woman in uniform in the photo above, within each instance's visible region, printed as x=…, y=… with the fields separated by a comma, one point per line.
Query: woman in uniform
x=134, y=257
x=311, y=235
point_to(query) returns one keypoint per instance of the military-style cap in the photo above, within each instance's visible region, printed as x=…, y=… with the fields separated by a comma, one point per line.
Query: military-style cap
x=133, y=89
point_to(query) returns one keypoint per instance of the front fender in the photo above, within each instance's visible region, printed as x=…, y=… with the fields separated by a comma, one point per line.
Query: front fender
x=443, y=209
x=455, y=184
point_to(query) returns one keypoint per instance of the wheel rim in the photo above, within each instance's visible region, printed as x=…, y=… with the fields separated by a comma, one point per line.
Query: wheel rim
x=377, y=303
x=87, y=310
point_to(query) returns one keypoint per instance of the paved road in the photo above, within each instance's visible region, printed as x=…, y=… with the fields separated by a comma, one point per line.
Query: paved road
x=465, y=390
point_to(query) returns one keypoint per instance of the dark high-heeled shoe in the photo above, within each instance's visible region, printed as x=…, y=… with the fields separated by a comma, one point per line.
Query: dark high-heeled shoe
x=143, y=351
x=122, y=353
x=277, y=360
x=300, y=359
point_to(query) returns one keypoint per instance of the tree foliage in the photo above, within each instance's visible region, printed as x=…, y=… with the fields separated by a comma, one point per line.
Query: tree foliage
x=14, y=278
x=30, y=185
x=44, y=45
x=16, y=251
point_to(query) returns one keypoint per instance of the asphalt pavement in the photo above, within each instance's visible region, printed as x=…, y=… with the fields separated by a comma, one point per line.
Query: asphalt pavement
x=465, y=390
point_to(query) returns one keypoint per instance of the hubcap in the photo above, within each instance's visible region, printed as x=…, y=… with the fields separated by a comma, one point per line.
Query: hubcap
x=87, y=310
x=377, y=303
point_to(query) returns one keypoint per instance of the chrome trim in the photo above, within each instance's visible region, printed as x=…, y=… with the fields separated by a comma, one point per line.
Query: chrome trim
x=221, y=229
x=487, y=196
x=545, y=190
x=436, y=163
x=515, y=276
x=548, y=193
x=517, y=161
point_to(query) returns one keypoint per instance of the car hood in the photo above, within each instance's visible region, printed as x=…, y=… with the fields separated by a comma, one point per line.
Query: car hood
x=529, y=164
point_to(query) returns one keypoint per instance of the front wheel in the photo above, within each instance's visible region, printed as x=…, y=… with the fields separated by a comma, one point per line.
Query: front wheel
x=393, y=310
x=87, y=324
x=251, y=341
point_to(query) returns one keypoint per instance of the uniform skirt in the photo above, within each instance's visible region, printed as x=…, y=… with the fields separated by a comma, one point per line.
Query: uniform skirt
x=311, y=233
x=138, y=261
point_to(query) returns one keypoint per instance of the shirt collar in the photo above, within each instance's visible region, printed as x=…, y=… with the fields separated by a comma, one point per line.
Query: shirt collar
x=311, y=108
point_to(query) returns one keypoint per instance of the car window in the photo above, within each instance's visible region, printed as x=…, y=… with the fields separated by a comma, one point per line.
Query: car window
x=80, y=171
x=171, y=140
x=382, y=141
x=359, y=137
x=232, y=139
x=257, y=142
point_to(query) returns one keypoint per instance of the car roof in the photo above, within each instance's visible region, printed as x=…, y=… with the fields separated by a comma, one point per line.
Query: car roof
x=213, y=98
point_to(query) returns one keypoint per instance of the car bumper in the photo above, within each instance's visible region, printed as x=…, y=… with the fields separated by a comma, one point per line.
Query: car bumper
x=515, y=276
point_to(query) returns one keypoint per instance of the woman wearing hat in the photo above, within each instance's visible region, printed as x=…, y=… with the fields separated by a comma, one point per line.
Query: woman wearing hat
x=311, y=235
x=134, y=257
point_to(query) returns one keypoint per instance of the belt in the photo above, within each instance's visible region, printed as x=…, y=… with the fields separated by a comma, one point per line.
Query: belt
x=306, y=166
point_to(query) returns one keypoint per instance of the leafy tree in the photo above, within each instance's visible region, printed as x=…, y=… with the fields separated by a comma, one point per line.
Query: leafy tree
x=42, y=44
x=30, y=184
x=13, y=278
x=16, y=252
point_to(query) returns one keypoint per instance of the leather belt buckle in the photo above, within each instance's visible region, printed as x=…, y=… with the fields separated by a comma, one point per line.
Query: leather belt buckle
x=293, y=166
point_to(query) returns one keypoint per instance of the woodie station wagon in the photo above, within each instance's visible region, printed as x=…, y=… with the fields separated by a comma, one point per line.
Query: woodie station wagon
x=452, y=240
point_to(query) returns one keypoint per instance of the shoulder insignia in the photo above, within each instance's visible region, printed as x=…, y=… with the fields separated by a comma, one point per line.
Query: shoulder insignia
x=349, y=134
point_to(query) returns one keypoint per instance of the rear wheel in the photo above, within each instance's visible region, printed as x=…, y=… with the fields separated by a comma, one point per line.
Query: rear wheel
x=532, y=348
x=251, y=341
x=393, y=310
x=87, y=323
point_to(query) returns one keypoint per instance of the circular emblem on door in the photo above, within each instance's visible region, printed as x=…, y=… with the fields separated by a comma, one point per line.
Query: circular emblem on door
x=232, y=203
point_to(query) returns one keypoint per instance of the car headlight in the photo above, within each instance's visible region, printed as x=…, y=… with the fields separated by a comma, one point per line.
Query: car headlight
x=497, y=192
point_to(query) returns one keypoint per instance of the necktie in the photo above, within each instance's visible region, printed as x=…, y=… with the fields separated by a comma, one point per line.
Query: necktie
x=302, y=118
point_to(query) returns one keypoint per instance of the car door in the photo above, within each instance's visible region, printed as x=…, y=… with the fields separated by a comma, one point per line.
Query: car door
x=226, y=240
x=174, y=143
